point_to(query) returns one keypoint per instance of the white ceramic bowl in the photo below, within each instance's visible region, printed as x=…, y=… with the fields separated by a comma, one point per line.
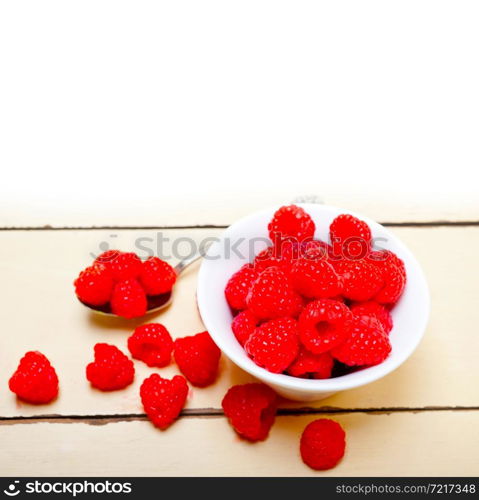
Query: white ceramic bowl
x=410, y=314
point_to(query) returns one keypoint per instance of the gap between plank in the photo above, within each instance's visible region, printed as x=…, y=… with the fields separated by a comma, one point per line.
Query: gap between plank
x=216, y=412
x=438, y=223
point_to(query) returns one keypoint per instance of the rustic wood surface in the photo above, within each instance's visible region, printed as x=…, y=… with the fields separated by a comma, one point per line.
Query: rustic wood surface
x=423, y=419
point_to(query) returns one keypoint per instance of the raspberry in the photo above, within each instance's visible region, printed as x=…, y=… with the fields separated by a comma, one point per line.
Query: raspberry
x=361, y=280
x=163, y=399
x=392, y=271
x=315, y=279
x=198, y=357
x=157, y=276
x=239, y=285
x=291, y=222
x=111, y=370
x=94, y=285
x=272, y=296
x=243, y=325
x=274, y=345
x=275, y=256
x=322, y=444
x=315, y=250
x=366, y=344
x=372, y=309
x=323, y=325
x=311, y=365
x=152, y=344
x=285, y=253
x=125, y=266
x=251, y=409
x=128, y=299
x=35, y=380
x=350, y=237
x=107, y=257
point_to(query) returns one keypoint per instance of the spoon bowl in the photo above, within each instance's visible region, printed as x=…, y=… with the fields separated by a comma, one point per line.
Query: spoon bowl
x=155, y=303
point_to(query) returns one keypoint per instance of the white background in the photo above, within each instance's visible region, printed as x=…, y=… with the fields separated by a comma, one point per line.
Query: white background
x=114, y=112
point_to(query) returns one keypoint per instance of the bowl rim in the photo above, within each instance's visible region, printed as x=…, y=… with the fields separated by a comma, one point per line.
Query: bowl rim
x=349, y=381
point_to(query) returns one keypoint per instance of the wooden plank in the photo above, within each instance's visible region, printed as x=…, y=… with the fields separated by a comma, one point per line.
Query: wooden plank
x=226, y=207
x=426, y=444
x=39, y=311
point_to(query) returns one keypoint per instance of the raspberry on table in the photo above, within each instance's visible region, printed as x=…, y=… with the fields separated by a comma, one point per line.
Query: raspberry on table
x=35, y=380
x=323, y=325
x=197, y=357
x=309, y=365
x=350, y=237
x=111, y=370
x=239, y=285
x=291, y=222
x=393, y=273
x=94, y=285
x=157, y=276
x=126, y=266
x=251, y=410
x=152, y=344
x=243, y=325
x=366, y=344
x=163, y=399
x=372, y=309
x=272, y=296
x=274, y=345
x=128, y=299
x=322, y=444
x=316, y=279
x=361, y=280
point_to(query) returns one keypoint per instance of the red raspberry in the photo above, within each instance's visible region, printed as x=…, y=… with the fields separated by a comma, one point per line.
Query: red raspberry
x=35, y=380
x=285, y=253
x=393, y=273
x=272, y=296
x=157, y=276
x=107, y=257
x=274, y=256
x=366, y=344
x=361, y=280
x=315, y=279
x=111, y=370
x=163, y=399
x=239, y=285
x=311, y=365
x=291, y=222
x=350, y=237
x=198, y=357
x=125, y=266
x=371, y=309
x=128, y=299
x=152, y=344
x=94, y=285
x=274, y=345
x=251, y=409
x=243, y=325
x=322, y=444
x=316, y=250
x=323, y=325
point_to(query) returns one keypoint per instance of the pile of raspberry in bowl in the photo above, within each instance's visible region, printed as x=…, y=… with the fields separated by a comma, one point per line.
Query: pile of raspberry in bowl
x=315, y=309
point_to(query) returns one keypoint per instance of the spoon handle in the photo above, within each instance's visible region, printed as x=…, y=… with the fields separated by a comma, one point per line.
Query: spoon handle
x=183, y=264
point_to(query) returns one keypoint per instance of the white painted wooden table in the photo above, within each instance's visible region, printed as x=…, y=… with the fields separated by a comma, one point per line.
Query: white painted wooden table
x=422, y=419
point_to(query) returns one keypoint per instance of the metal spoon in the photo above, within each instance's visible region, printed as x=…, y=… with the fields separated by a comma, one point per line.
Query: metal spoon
x=156, y=302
